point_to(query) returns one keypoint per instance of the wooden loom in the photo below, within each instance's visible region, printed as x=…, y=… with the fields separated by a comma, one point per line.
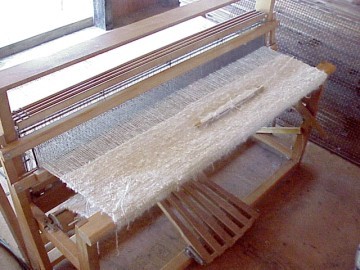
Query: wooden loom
x=36, y=192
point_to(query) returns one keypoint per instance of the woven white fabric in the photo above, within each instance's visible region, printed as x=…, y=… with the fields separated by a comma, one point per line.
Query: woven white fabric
x=127, y=180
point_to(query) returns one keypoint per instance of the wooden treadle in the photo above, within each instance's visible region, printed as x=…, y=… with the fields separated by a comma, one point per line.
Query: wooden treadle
x=209, y=218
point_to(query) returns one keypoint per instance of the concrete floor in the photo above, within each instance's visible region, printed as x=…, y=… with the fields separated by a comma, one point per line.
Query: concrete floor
x=309, y=221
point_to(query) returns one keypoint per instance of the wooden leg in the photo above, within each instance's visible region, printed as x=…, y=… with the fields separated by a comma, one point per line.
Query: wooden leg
x=30, y=230
x=312, y=104
x=89, y=258
x=35, y=249
x=12, y=222
x=88, y=234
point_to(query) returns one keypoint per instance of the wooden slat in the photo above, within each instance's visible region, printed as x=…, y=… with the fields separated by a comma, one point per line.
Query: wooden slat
x=12, y=216
x=25, y=183
x=55, y=256
x=273, y=143
x=206, y=217
x=32, y=70
x=52, y=130
x=187, y=235
x=221, y=216
x=224, y=205
x=9, y=134
x=200, y=228
x=280, y=130
x=233, y=199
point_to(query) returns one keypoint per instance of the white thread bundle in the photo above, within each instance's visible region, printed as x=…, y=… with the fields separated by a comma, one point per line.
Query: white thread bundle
x=234, y=102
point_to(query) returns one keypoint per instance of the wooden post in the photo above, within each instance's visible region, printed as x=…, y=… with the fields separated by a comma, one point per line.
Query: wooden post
x=312, y=106
x=12, y=222
x=26, y=231
x=306, y=127
x=103, y=14
x=38, y=256
x=89, y=258
x=267, y=6
x=8, y=134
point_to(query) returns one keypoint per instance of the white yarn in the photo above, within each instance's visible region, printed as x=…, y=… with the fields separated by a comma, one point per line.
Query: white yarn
x=231, y=103
x=133, y=176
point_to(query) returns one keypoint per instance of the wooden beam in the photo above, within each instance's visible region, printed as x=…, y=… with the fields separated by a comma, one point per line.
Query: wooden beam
x=327, y=67
x=35, y=69
x=36, y=180
x=30, y=231
x=266, y=6
x=98, y=226
x=7, y=127
x=103, y=14
x=67, y=97
x=88, y=255
x=180, y=261
x=52, y=130
x=279, y=130
x=273, y=143
x=8, y=134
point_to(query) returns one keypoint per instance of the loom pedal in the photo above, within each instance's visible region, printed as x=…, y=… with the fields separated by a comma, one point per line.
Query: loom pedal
x=209, y=218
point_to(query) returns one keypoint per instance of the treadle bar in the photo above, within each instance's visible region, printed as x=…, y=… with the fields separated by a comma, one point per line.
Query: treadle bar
x=209, y=218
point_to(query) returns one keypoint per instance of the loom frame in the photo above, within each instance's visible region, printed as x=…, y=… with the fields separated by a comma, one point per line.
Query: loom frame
x=29, y=217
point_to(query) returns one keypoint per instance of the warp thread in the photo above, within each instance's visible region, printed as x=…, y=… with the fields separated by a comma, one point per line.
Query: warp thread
x=178, y=150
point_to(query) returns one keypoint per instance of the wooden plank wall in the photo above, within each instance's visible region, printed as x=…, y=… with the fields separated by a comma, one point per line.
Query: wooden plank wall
x=126, y=12
x=125, y=7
